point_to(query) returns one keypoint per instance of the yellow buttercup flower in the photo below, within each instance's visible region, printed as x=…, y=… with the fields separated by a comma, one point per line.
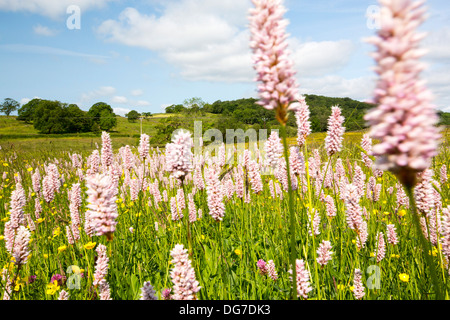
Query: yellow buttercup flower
x=404, y=277
x=52, y=288
x=90, y=245
x=62, y=248
x=30, y=169
x=56, y=232
x=402, y=213
x=238, y=252
x=40, y=220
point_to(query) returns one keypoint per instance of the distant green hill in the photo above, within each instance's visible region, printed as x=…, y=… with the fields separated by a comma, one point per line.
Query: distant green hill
x=247, y=112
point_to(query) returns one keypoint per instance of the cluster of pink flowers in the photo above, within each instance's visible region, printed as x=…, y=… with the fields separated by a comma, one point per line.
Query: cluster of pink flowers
x=335, y=134
x=144, y=146
x=102, y=207
x=107, y=151
x=179, y=155
x=273, y=149
x=405, y=119
x=185, y=286
x=278, y=86
x=214, y=194
x=147, y=292
x=358, y=290
x=324, y=253
x=101, y=266
x=303, y=124
x=303, y=284
x=21, y=251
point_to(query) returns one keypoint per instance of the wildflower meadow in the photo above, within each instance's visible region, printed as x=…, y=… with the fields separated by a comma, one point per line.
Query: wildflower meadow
x=350, y=216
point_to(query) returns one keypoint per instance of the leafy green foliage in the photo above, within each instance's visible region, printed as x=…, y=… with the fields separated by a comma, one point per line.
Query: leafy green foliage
x=102, y=114
x=133, y=115
x=9, y=105
x=26, y=112
x=56, y=117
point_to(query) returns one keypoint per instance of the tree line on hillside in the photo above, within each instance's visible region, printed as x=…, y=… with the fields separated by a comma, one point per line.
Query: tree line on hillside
x=244, y=112
x=49, y=116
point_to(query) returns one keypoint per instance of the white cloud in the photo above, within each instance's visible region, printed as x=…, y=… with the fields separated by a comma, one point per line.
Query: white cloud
x=101, y=92
x=119, y=100
x=121, y=111
x=49, y=8
x=33, y=49
x=137, y=92
x=320, y=58
x=438, y=44
x=44, y=31
x=142, y=103
x=26, y=100
x=360, y=88
x=212, y=44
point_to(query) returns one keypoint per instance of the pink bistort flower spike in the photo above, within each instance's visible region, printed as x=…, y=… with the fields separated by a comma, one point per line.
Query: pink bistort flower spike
x=144, y=146
x=275, y=71
x=102, y=207
x=380, y=250
x=391, y=234
x=303, y=284
x=214, y=194
x=404, y=120
x=445, y=225
x=148, y=292
x=101, y=266
x=179, y=156
x=105, y=291
x=303, y=124
x=17, y=203
x=324, y=253
x=274, y=149
x=107, y=151
x=20, y=252
x=358, y=290
x=335, y=134
x=63, y=295
x=330, y=206
x=271, y=270
x=185, y=286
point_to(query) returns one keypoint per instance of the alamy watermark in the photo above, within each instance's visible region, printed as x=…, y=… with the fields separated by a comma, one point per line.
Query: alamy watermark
x=373, y=17
x=73, y=22
x=235, y=142
x=74, y=281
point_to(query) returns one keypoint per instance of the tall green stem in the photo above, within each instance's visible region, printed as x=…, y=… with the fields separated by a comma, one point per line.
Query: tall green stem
x=425, y=245
x=293, y=245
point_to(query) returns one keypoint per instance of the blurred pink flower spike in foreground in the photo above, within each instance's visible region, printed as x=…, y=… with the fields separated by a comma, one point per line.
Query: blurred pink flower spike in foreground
x=404, y=120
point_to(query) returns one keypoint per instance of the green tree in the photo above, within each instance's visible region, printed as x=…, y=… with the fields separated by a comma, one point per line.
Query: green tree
x=102, y=114
x=77, y=119
x=165, y=128
x=26, y=112
x=50, y=117
x=147, y=114
x=107, y=120
x=9, y=105
x=133, y=115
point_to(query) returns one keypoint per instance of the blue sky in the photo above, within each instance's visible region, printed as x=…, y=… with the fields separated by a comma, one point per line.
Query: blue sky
x=146, y=55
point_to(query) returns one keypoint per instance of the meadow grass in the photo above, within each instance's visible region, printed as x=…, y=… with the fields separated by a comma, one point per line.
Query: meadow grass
x=224, y=254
